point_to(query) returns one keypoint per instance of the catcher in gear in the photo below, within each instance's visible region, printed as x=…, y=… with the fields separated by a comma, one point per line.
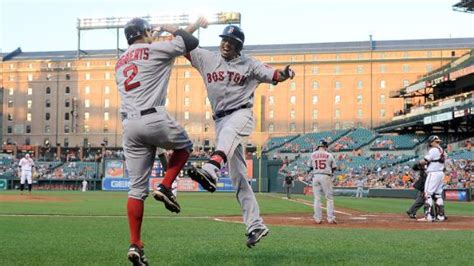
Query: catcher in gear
x=434, y=161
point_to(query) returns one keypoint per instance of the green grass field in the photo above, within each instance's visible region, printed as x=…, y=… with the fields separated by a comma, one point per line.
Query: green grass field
x=91, y=229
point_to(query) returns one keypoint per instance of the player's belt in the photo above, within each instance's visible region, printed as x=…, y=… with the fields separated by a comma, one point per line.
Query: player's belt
x=323, y=174
x=142, y=112
x=221, y=114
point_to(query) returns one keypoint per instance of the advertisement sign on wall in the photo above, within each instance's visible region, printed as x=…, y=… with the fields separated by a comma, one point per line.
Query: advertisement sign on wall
x=114, y=169
x=187, y=184
x=157, y=169
x=456, y=194
x=3, y=184
x=115, y=184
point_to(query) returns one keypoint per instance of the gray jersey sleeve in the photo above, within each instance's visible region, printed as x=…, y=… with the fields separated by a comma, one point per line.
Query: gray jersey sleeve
x=262, y=72
x=199, y=58
x=333, y=162
x=168, y=49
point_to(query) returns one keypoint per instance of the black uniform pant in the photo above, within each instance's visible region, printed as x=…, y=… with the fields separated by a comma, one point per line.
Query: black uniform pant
x=419, y=202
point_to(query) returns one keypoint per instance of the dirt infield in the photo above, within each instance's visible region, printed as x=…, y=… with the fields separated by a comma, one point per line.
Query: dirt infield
x=374, y=220
x=347, y=218
x=31, y=198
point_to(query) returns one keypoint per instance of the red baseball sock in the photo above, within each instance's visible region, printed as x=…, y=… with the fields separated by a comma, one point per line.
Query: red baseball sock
x=135, y=217
x=175, y=164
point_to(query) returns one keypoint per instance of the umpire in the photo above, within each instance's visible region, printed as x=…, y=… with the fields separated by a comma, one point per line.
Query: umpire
x=420, y=188
x=288, y=183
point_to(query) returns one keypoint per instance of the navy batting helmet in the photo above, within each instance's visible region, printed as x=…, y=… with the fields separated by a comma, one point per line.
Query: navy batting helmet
x=235, y=33
x=136, y=28
x=433, y=138
x=323, y=143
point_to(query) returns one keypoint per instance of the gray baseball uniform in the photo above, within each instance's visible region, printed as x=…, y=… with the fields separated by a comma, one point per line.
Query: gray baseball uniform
x=142, y=75
x=230, y=89
x=323, y=164
x=360, y=187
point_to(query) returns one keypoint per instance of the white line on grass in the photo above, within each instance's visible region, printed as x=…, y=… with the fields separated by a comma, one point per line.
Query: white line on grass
x=227, y=221
x=101, y=216
x=306, y=202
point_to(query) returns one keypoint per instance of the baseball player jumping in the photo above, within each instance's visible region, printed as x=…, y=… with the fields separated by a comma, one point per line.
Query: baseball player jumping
x=433, y=193
x=323, y=166
x=142, y=75
x=25, y=167
x=231, y=79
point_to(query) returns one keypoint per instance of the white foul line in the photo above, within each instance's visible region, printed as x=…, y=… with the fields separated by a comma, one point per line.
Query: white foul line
x=101, y=216
x=307, y=203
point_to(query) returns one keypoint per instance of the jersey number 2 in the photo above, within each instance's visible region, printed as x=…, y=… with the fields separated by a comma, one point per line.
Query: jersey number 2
x=320, y=164
x=128, y=82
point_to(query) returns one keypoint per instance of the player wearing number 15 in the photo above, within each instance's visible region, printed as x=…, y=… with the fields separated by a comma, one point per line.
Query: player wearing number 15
x=323, y=166
x=142, y=74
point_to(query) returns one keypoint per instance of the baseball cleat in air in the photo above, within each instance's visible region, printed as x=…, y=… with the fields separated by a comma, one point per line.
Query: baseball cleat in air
x=254, y=237
x=166, y=196
x=203, y=178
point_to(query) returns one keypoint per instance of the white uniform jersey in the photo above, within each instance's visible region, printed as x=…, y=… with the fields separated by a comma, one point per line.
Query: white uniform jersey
x=143, y=71
x=322, y=162
x=230, y=84
x=434, y=154
x=26, y=164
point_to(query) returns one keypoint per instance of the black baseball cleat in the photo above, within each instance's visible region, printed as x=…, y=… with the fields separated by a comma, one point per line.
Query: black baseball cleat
x=137, y=256
x=165, y=195
x=203, y=178
x=411, y=215
x=255, y=236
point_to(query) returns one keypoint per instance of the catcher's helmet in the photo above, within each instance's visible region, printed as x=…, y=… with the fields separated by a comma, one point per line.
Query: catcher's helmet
x=323, y=143
x=433, y=138
x=136, y=28
x=235, y=33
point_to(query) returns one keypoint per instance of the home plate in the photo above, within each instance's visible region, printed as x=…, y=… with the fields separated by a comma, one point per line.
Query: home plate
x=358, y=218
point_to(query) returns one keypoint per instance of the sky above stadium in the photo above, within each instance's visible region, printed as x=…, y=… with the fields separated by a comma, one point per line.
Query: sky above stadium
x=49, y=25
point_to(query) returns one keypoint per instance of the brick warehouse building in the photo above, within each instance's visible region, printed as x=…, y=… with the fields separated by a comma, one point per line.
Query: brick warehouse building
x=56, y=97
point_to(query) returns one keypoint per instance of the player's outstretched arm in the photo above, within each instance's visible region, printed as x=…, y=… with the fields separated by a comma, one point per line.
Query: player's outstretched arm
x=282, y=75
x=201, y=22
x=190, y=41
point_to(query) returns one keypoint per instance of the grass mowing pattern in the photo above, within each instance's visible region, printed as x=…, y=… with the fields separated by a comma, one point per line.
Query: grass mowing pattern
x=197, y=241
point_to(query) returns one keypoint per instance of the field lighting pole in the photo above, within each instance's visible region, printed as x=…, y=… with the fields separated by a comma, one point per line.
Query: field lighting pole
x=371, y=46
x=57, y=70
x=180, y=19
